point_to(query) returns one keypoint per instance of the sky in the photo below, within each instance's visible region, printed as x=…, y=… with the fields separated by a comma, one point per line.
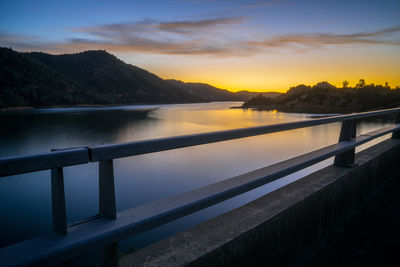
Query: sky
x=232, y=44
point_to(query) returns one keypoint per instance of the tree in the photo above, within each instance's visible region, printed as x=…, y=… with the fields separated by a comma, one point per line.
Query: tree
x=345, y=84
x=360, y=84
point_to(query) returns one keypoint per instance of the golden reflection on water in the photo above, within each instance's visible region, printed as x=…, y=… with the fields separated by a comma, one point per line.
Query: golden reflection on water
x=149, y=177
x=198, y=118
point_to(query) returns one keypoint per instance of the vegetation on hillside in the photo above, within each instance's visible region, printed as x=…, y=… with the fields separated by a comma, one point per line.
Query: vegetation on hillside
x=326, y=98
x=211, y=93
x=99, y=78
x=93, y=78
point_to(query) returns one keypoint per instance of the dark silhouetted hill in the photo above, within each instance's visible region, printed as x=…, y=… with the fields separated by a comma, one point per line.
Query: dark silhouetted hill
x=246, y=95
x=212, y=93
x=91, y=77
x=326, y=98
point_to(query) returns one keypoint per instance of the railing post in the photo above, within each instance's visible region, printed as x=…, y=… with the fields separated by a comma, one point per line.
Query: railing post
x=58, y=201
x=347, y=132
x=107, y=189
x=109, y=255
x=107, y=207
x=396, y=134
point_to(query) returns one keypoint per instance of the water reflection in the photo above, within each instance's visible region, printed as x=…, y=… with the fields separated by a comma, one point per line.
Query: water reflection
x=140, y=179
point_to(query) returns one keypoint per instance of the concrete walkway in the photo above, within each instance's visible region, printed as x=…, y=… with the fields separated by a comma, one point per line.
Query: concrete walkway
x=370, y=236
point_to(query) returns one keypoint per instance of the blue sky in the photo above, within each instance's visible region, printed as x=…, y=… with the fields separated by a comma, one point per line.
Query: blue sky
x=256, y=45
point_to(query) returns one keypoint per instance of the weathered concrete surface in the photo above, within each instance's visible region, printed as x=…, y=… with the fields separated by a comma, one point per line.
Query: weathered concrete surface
x=275, y=228
x=369, y=236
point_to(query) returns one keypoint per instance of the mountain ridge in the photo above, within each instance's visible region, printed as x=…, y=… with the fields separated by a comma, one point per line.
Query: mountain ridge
x=93, y=77
x=326, y=98
x=212, y=93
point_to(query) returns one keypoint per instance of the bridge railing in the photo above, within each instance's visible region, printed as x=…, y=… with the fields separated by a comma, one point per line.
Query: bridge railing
x=108, y=227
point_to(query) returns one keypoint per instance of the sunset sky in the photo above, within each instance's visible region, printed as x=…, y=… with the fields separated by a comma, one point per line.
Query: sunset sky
x=236, y=45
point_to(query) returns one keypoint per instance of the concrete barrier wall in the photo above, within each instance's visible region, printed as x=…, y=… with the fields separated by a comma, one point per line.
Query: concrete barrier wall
x=273, y=229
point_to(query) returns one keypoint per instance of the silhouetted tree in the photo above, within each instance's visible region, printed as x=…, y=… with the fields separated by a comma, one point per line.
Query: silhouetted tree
x=324, y=97
x=360, y=84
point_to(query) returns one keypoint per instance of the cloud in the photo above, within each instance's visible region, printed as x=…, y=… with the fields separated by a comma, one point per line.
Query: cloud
x=184, y=26
x=23, y=42
x=123, y=38
x=318, y=39
x=149, y=46
x=197, y=37
x=121, y=28
x=194, y=37
x=131, y=44
x=148, y=25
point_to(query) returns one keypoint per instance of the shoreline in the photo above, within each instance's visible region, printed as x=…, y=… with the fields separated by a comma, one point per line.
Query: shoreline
x=103, y=106
x=139, y=111
x=106, y=105
x=306, y=111
x=315, y=114
x=79, y=106
x=310, y=110
x=61, y=106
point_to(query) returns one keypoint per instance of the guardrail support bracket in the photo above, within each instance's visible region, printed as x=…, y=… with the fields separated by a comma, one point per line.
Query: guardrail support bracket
x=396, y=135
x=58, y=201
x=109, y=255
x=107, y=204
x=347, y=132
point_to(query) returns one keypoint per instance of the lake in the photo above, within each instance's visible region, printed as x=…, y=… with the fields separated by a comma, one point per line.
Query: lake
x=25, y=200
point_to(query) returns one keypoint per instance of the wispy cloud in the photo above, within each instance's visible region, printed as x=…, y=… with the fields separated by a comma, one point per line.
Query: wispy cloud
x=319, y=39
x=198, y=37
x=212, y=37
x=149, y=46
x=23, y=42
x=184, y=26
x=149, y=25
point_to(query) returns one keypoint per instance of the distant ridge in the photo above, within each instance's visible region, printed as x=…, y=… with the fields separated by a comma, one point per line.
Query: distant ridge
x=92, y=78
x=326, y=98
x=211, y=93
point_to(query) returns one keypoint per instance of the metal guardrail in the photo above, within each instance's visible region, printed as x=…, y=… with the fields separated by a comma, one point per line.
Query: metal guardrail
x=106, y=229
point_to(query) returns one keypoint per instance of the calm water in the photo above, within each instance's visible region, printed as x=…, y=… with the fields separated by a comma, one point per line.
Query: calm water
x=25, y=199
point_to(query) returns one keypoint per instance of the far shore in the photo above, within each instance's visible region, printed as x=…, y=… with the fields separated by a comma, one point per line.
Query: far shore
x=335, y=111
x=302, y=110
x=103, y=106
x=99, y=105
x=70, y=106
x=78, y=106
x=137, y=112
x=320, y=113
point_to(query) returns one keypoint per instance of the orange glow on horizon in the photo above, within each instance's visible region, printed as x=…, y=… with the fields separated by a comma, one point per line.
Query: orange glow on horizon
x=280, y=70
x=282, y=87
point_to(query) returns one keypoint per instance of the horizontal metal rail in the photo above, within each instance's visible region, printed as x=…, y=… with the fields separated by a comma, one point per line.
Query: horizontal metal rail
x=51, y=249
x=31, y=163
x=109, y=227
x=105, y=152
x=46, y=161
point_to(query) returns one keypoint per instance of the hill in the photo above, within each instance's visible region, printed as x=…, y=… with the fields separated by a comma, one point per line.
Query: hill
x=211, y=93
x=326, y=98
x=93, y=78
x=249, y=95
